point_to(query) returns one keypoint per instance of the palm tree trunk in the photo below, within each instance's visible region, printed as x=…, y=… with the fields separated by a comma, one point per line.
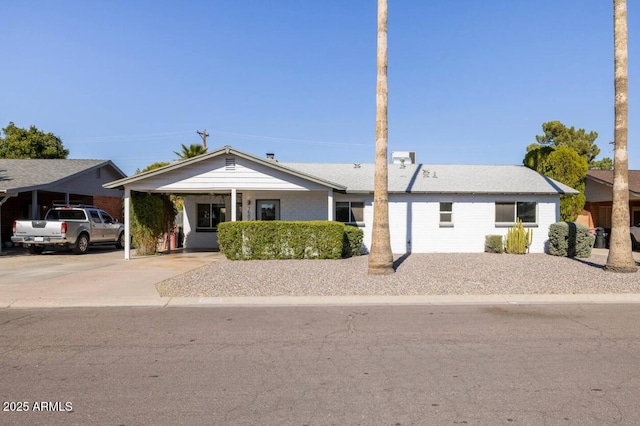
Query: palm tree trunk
x=381, y=257
x=620, y=251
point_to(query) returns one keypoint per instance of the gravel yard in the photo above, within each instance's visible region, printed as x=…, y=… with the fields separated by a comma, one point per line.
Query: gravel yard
x=416, y=274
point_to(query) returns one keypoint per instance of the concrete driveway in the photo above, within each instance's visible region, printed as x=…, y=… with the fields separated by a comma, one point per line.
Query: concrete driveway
x=101, y=275
x=103, y=278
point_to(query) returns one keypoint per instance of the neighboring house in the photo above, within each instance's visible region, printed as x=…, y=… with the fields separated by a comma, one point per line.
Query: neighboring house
x=28, y=188
x=432, y=208
x=599, y=195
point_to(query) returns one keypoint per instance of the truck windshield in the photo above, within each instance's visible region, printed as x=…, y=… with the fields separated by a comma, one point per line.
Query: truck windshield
x=65, y=215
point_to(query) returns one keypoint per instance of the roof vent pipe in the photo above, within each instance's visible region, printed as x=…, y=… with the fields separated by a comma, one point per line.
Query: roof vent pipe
x=271, y=156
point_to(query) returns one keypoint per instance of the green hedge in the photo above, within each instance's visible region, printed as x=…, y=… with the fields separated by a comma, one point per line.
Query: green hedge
x=151, y=215
x=352, y=241
x=570, y=239
x=288, y=240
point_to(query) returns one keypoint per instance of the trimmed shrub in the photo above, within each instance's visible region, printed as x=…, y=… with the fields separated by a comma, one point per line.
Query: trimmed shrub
x=352, y=241
x=287, y=240
x=493, y=244
x=570, y=239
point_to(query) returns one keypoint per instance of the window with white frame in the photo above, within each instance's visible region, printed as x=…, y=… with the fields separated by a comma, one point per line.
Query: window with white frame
x=507, y=212
x=209, y=216
x=446, y=213
x=350, y=212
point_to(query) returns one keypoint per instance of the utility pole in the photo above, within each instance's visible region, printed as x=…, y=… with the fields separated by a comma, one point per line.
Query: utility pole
x=203, y=134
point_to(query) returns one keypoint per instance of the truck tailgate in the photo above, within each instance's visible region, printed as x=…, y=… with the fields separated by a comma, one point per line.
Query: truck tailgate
x=38, y=228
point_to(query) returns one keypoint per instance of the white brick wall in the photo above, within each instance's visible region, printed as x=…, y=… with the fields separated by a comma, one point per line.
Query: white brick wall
x=414, y=222
x=294, y=205
x=414, y=219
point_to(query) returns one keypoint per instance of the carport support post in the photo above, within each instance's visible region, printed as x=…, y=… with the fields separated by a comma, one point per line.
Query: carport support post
x=330, y=202
x=127, y=229
x=1, y=203
x=233, y=205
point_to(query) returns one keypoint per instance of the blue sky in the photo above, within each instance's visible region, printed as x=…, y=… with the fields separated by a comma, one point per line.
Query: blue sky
x=470, y=81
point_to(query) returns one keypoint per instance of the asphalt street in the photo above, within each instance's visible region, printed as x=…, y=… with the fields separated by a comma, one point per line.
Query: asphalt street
x=355, y=365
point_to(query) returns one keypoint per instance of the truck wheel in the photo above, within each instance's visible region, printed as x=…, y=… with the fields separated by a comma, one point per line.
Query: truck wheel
x=35, y=249
x=82, y=244
x=120, y=242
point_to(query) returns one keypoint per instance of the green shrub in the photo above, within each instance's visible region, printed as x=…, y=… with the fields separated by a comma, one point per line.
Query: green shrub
x=151, y=216
x=352, y=241
x=288, y=240
x=570, y=239
x=493, y=244
x=518, y=239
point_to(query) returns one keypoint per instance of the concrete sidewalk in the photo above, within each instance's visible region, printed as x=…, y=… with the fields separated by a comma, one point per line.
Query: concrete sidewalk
x=104, y=278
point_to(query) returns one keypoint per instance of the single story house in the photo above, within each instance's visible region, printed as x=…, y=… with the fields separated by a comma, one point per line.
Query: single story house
x=28, y=188
x=599, y=195
x=432, y=208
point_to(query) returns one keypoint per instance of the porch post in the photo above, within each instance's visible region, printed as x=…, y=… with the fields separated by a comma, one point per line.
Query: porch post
x=330, y=204
x=233, y=205
x=127, y=229
x=4, y=200
x=35, y=212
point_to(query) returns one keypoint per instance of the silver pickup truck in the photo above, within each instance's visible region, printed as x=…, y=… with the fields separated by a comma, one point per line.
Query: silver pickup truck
x=76, y=227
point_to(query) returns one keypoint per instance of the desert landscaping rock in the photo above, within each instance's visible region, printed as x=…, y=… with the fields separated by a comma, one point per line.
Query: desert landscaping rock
x=416, y=274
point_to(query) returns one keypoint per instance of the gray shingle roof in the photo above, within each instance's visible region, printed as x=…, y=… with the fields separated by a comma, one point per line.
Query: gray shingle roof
x=439, y=178
x=25, y=175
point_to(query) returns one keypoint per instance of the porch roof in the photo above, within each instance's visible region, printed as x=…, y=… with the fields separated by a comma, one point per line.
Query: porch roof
x=139, y=179
x=605, y=177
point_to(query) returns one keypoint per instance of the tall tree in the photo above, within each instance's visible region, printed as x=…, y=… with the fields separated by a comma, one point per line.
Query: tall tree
x=192, y=150
x=565, y=154
x=565, y=165
x=381, y=257
x=620, y=257
x=557, y=134
x=153, y=166
x=32, y=143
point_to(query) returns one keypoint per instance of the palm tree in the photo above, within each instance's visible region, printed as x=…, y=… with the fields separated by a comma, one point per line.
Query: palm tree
x=192, y=151
x=381, y=257
x=620, y=257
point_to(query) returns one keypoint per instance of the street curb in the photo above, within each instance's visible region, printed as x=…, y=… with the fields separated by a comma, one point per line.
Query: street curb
x=406, y=300
x=28, y=303
x=433, y=300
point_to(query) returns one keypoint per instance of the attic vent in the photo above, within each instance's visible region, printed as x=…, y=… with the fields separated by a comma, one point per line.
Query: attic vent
x=230, y=164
